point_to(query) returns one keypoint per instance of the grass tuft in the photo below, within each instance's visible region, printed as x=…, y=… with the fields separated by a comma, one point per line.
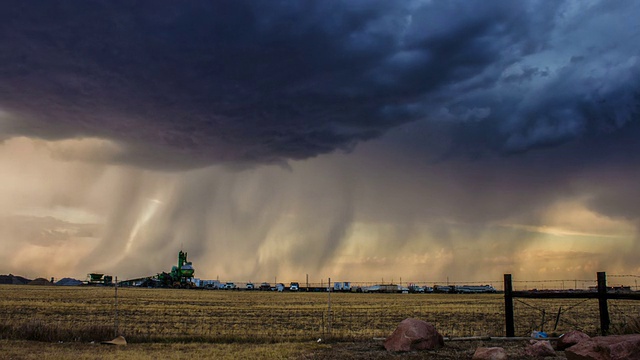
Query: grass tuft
x=630, y=326
x=37, y=330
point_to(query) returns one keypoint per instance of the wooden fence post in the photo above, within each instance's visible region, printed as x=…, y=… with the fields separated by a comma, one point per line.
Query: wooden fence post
x=508, y=306
x=602, y=302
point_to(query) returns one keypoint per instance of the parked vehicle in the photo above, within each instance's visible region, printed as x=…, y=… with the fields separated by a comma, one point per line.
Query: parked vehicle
x=250, y=286
x=294, y=286
x=443, y=289
x=371, y=289
x=384, y=288
x=211, y=284
x=265, y=286
x=341, y=286
x=475, y=289
x=229, y=286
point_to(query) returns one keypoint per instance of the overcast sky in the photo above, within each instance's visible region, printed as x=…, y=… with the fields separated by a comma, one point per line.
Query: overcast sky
x=357, y=140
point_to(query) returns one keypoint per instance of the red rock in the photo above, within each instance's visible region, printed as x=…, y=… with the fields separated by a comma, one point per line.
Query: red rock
x=540, y=349
x=571, y=338
x=414, y=334
x=492, y=353
x=614, y=347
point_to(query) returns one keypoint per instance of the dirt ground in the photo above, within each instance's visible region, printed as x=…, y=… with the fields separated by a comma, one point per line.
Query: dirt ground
x=451, y=351
x=23, y=350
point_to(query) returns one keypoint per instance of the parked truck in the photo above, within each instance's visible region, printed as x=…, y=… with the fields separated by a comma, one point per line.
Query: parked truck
x=342, y=286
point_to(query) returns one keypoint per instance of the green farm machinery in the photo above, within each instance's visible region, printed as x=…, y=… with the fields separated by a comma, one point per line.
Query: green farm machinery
x=99, y=279
x=180, y=276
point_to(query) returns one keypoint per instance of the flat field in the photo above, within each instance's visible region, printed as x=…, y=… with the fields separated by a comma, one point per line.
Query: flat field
x=85, y=314
x=64, y=313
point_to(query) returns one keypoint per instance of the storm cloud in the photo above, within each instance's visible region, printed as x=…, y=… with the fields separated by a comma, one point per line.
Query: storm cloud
x=419, y=139
x=242, y=82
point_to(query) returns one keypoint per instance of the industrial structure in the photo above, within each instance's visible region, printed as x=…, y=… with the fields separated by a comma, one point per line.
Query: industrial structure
x=180, y=276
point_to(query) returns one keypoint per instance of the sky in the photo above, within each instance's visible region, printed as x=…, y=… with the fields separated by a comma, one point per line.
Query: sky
x=357, y=140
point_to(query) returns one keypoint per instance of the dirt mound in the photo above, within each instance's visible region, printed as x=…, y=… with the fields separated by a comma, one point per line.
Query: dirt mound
x=68, y=282
x=40, y=281
x=13, y=280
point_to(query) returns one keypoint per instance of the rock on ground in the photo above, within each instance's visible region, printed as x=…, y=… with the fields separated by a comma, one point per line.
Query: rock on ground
x=613, y=347
x=490, y=353
x=540, y=349
x=571, y=338
x=414, y=334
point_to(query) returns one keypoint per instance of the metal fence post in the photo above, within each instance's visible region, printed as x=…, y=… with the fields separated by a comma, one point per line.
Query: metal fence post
x=508, y=306
x=116, y=308
x=329, y=317
x=602, y=302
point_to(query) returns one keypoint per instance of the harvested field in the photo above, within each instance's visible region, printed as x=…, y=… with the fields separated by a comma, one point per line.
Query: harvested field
x=84, y=314
x=228, y=316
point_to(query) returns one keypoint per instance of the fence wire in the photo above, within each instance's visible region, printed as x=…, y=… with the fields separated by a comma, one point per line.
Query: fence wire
x=556, y=316
x=84, y=313
x=192, y=315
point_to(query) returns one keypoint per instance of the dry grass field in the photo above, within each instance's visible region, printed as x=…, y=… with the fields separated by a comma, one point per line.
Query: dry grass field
x=285, y=325
x=68, y=313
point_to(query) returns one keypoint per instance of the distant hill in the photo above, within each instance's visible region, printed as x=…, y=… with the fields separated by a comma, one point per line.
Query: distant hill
x=13, y=280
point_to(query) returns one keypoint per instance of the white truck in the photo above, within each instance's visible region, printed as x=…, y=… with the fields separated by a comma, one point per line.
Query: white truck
x=342, y=286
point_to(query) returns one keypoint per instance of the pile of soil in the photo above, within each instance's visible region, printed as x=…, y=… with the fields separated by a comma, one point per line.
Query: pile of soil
x=40, y=281
x=13, y=280
x=68, y=282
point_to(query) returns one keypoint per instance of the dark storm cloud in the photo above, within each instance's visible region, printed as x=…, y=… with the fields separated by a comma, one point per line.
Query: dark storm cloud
x=195, y=83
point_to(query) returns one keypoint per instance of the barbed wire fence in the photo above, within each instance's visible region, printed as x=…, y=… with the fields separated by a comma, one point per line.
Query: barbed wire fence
x=608, y=304
x=144, y=315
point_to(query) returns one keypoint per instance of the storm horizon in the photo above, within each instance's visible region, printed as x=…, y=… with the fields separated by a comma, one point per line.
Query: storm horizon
x=358, y=141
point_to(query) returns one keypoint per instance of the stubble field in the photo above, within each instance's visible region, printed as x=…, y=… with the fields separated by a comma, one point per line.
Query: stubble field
x=267, y=320
x=144, y=315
